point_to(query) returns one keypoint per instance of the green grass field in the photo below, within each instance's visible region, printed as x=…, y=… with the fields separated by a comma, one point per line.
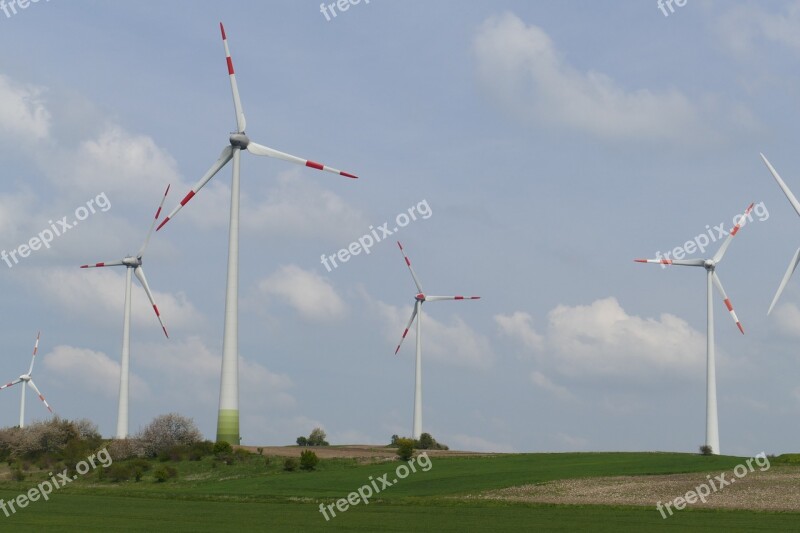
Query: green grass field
x=251, y=496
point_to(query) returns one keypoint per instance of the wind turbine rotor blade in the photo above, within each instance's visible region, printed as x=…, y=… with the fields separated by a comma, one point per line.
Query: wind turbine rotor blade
x=7, y=385
x=260, y=149
x=440, y=298
x=153, y=225
x=241, y=123
x=35, y=351
x=33, y=386
x=785, y=280
x=742, y=221
x=783, y=186
x=410, y=268
x=728, y=304
x=224, y=157
x=143, y=280
x=408, y=326
x=674, y=262
x=104, y=264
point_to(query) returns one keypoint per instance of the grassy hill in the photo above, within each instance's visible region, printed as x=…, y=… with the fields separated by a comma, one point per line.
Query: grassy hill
x=251, y=495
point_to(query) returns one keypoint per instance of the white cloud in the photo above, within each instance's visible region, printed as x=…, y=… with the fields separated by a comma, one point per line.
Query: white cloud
x=89, y=370
x=192, y=373
x=99, y=294
x=546, y=384
x=742, y=26
x=520, y=66
x=787, y=318
x=455, y=343
x=520, y=326
x=298, y=205
x=306, y=291
x=23, y=114
x=601, y=339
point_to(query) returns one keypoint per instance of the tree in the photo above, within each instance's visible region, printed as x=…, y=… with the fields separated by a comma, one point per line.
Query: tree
x=317, y=438
x=302, y=441
x=705, y=449
x=405, y=449
x=308, y=460
x=169, y=430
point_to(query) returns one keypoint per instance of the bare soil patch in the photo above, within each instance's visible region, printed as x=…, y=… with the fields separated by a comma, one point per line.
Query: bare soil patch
x=777, y=489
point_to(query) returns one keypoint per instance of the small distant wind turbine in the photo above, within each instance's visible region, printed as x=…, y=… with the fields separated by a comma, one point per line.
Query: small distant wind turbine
x=796, y=259
x=712, y=424
x=26, y=378
x=419, y=299
x=228, y=416
x=133, y=263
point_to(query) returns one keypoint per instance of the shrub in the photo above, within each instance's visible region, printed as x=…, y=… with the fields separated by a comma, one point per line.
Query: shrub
x=164, y=473
x=222, y=447
x=18, y=474
x=118, y=472
x=705, y=449
x=308, y=460
x=405, y=449
x=167, y=431
x=290, y=464
x=121, y=449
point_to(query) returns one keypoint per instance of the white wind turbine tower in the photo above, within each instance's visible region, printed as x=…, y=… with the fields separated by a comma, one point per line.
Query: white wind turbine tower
x=419, y=299
x=26, y=378
x=712, y=423
x=132, y=264
x=796, y=259
x=228, y=418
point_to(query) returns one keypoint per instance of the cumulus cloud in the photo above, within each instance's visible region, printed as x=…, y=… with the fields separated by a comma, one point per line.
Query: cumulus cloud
x=455, y=342
x=787, y=318
x=601, y=339
x=519, y=325
x=742, y=27
x=99, y=294
x=306, y=292
x=191, y=372
x=94, y=369
x=520, y=66
x=543, y=382
x=23, y=113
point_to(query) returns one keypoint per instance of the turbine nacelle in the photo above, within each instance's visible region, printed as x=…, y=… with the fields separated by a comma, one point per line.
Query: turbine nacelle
x=420, y=297
x=132, y=262
x=25, y=377
x=709, y=264
x=240, y=140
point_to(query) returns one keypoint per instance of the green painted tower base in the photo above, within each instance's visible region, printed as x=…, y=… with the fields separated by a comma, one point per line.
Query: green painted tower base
x=228, y=426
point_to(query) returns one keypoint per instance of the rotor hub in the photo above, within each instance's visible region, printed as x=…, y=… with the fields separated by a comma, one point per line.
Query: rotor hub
x=420, y=297
x=239, y=140
x=709, y=264
x=132, y=262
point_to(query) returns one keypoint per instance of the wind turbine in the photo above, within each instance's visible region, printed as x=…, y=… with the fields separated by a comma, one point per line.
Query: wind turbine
x=132, y=264
x=26, y=378
x=420, y=299
x=228, y=418
x=712, y=278
x=796, y=258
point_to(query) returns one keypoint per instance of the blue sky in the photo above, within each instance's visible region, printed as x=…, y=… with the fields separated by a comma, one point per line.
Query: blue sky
x=554, y=142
